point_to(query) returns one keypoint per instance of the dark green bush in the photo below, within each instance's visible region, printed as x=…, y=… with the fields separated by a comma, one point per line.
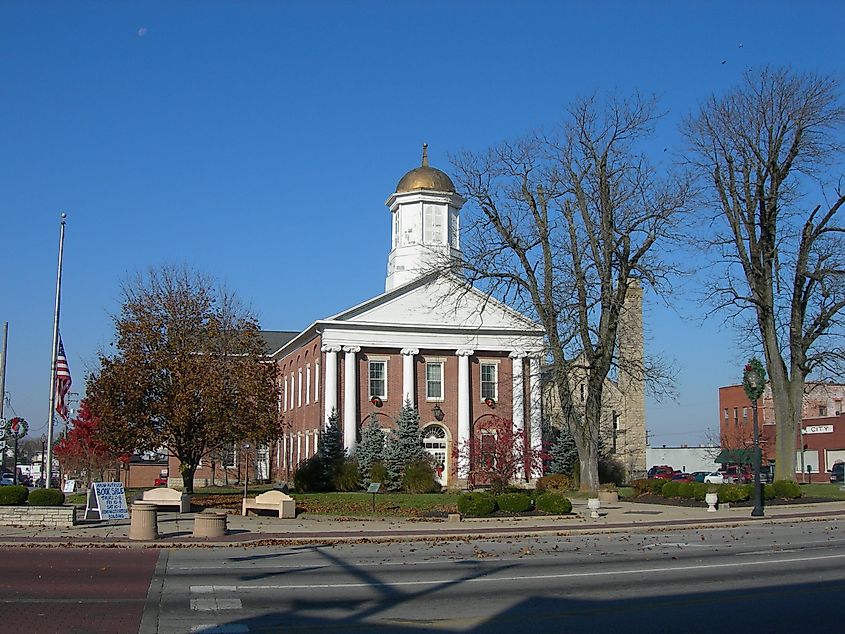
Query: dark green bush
x=514, y=502
x=309, y=477
x=46, y=497
x=699, y=490
x=554, y=482
x=648, y=485
x=419, y=477
x=733, y=493
x=685, y=491
x=786, y=489
x=476, y=504
x=554, y=503
x=13, y=495
x=345, y=476
x=611, y=470
x=378, y=473
x=768, y=492
x=671, y=489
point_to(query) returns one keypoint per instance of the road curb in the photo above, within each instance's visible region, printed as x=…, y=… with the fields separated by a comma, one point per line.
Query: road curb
x=468, y=534
x=152, y=608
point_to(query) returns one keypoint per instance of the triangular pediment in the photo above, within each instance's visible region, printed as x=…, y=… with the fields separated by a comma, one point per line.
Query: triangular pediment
x=437, y=301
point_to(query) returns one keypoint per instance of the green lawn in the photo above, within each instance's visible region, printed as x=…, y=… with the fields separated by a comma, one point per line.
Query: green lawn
x=823, y=491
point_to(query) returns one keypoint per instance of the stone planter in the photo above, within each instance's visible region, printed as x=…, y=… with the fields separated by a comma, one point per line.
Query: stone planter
x=712, y=499
x=594, y=504
x=143, y=524
x=38, y=516
x=209, y=524
x=608, y=497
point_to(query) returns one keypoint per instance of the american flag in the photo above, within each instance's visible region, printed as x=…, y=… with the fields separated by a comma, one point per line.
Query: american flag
x=63, y=381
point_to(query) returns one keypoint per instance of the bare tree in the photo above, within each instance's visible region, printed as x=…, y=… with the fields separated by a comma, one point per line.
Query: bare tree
x=190, y=372
x=565, y=225
x=780, y=260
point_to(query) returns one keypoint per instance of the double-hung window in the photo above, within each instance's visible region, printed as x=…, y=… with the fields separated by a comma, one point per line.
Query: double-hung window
x=434, y=380
x=489, y=381
x=229, y=456
x=378, y=379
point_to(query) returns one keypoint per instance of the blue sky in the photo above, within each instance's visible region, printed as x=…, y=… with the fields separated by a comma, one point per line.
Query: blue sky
x=258, y=141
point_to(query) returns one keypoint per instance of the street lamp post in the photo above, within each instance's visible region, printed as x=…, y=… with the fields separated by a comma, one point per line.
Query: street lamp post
x=246, y=467
x=43, y=454
x=754, y=382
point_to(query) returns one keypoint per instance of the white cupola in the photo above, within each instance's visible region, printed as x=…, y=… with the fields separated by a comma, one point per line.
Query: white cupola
x=425, y=214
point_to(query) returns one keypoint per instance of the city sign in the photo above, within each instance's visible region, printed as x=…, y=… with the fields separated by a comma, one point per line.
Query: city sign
x=818, y=429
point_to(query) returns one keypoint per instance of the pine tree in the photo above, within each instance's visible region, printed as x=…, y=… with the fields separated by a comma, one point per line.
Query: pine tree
x=330, y=449
x=371, y=448
x=563, y=453
x=405, y=447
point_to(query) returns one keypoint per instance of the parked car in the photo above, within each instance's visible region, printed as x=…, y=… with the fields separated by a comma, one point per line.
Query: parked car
x=7, y=479
x=737, y=475
x=713, y=477
x=661, y=472
x=699, y=475
x=837, y=473
x=680, y=476
x=161, y=482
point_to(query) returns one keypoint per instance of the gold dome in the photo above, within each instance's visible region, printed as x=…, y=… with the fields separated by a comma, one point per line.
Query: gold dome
x=425, y=177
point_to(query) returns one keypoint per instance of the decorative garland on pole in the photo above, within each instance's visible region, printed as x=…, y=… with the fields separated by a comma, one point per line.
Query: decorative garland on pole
x=18, y=427
x=754, y=379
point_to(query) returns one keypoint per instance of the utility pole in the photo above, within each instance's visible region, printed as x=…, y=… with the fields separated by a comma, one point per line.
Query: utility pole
x=51, y=415
x=3, y=394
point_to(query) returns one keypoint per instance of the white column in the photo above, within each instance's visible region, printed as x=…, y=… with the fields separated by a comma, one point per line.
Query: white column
x=408, y=355
x=517, y=358
x=331, y=380
x=535, y=411
x=350, y=397
x=463, y=402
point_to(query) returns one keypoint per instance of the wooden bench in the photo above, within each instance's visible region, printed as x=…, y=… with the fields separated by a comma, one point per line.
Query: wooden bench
x=163, y=496
x=275, y=501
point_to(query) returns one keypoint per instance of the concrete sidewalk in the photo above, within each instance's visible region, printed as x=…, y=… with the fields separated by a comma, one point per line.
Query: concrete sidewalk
x=175, y=529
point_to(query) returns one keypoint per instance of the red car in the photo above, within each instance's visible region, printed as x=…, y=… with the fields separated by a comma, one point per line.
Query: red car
x=680, y=476
x=661, y=472
x=161, y=482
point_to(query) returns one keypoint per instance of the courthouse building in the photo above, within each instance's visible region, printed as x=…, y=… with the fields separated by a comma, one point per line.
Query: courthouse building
x=460, y=357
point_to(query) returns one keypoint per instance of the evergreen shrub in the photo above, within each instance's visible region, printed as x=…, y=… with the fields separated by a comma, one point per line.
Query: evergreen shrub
x=733, y=493
x=786, y=489
x=345, y=476
x=514, y=502
x=476, y=504
x=670, y=489
x=12, y=495
x=370, y=451
x=554, y=503
x=419, y=477
x=378, y=473
x=404, y=447
x=769, y=492
x=46, y=497
x=309, y=477
x=554, y=482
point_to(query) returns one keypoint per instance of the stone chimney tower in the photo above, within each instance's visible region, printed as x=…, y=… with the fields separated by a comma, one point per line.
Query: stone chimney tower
x=631, y=428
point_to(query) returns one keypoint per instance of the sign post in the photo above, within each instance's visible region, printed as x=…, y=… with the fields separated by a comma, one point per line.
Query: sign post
x=374, y=488
x=107, y=500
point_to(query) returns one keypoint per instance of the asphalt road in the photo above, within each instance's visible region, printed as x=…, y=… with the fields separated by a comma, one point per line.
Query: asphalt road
x=786, y=577
x=73, y=589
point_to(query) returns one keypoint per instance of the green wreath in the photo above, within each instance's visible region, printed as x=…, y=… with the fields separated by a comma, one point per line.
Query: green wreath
x=754, y=369
x=21, y=425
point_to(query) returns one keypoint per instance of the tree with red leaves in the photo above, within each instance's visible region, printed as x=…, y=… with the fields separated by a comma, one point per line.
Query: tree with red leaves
x=497, y=454
x=82, y=449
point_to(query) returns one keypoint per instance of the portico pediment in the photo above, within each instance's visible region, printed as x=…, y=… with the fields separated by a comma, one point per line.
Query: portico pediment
x=437, y=302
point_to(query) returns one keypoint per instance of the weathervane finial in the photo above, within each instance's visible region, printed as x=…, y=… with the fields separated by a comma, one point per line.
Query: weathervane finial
x=425, y=155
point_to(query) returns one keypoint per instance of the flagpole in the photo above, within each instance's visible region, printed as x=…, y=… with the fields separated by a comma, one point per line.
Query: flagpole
x=49, y=467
